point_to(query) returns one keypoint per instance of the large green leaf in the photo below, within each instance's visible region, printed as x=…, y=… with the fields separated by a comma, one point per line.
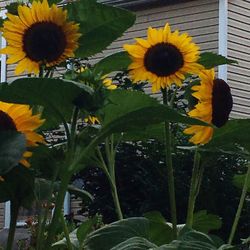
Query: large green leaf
x=137, y=243
x=12, y=147
x=111, y=235
x=115, y=62
x=210, y=60
x=55, y=95
x=205, y=222
x=100, y=25
x=191, y=240
x=234, y=132
x=130, y=111
x=133, y=110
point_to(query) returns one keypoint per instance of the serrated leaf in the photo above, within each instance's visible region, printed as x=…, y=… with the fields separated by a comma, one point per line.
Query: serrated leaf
x=210, y=60
x=98, y=21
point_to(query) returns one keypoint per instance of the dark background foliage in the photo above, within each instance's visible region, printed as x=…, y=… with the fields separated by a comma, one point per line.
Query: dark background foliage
x=142, y=186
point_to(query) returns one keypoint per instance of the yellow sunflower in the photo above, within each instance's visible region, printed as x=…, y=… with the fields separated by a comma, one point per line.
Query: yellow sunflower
x=214, y=106
x=39, y=35
x=163, y=58
x=19, y=117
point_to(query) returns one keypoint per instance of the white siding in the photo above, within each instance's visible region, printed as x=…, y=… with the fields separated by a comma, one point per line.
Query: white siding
x=239, y=49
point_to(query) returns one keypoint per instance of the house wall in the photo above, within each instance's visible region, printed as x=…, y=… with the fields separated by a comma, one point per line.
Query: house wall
x=200, y=18
x=239, y=49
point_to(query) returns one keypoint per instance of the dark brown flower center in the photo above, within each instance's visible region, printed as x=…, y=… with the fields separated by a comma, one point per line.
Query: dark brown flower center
x=222, y=103
x=44, y=41
x=163, y=59
x=6, y=122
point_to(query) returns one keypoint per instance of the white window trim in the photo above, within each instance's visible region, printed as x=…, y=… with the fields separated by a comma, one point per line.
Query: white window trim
x=223, y=36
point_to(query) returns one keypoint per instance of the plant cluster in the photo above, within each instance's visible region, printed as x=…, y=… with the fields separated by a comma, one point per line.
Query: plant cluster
x=50, y=44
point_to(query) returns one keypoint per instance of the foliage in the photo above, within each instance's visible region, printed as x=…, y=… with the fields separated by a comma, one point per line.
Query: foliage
x=130, y=151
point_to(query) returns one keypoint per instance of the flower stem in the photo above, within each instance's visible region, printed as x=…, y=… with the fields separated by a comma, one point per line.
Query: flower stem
x=58, y=208
x=66, y=232
x=241, y=203
x=170, y=170
x=14, y=208
x=110, y=174
x=194, y=188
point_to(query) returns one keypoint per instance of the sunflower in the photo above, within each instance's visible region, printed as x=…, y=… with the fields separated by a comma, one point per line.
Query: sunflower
x=39, y=35
x=164, y=58
x=214, y=106
x=19, y=118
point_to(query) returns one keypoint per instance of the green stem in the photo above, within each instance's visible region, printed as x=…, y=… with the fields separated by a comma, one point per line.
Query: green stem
x=58, y=208
x=74, y=127
x=170, y=170
x=194, y=188
x=66, y=232
x=110, y=174
x=241, y=203
x=44, y=216
x=14, y=208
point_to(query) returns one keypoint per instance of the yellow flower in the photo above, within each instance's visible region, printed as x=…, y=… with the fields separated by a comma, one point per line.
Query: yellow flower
x=39, y=35
x=107, y=82
x=19, y=118
x=163, y=58
x=92, y=120
x=214, y=106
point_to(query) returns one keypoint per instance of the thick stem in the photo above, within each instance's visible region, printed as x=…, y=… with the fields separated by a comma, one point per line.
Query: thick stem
x=241, y=203
x=194, y=188
x=14, y=208
x=170, y=170
x=58, y=209
x=66, y=233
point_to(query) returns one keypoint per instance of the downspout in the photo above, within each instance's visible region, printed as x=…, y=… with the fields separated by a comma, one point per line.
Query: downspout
x=223, y=36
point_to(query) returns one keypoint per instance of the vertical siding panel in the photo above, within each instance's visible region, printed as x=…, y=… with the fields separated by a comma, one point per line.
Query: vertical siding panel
x=2, y=208
x=239, y=49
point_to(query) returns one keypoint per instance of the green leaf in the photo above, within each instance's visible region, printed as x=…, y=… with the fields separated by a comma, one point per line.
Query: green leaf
x=137, y=243
x=85, y=228
x=62, y=244
x=205, y=222
x=133, y=110
x=12, y=147
x=155, y=216
x=18, y=186
x=239, y=181
x=191, y=240
x=77, y=236
x=111, y=235
x=210, y=60
x=83, y=194
x=129, y=111
x=55, y=95
x=115, y=62
x=98, y=21
x=234, y=132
